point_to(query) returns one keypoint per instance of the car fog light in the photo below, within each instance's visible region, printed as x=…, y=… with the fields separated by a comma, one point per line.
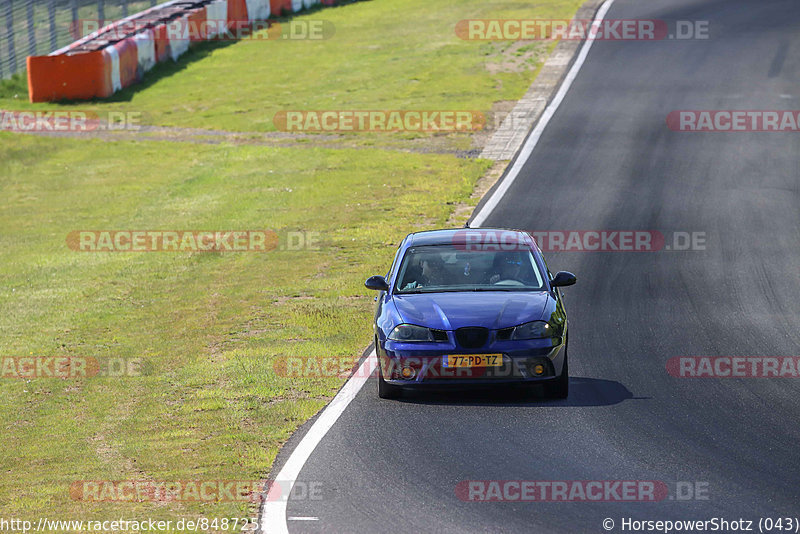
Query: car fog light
x=408, y=372
x=538, y=369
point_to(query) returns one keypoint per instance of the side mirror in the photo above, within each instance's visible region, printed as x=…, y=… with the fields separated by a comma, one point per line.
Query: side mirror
x=377, y=283
x=563, y=278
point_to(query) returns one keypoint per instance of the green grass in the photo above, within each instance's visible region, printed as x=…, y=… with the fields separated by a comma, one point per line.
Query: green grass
x=383, y=55
x=210, y=326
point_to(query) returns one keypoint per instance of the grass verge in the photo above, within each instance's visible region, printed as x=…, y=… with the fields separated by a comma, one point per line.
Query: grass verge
x=210, y=326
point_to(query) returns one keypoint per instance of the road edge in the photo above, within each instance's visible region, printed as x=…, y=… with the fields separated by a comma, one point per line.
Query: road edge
x=536, y=117
x=293, y=454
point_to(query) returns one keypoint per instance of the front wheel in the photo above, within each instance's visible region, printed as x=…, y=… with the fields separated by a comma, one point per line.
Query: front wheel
x=386, y=390
x=559, y=388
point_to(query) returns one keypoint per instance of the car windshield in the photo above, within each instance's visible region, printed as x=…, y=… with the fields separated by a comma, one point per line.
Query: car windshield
x=439, y=268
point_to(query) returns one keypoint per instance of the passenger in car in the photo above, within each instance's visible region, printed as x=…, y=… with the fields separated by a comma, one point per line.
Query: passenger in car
x=430, y=272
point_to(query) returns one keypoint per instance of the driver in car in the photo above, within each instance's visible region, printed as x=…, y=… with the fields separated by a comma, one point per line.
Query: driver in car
x=509, y=268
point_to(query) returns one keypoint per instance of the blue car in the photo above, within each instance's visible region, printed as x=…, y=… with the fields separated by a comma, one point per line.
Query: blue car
x=470, y=307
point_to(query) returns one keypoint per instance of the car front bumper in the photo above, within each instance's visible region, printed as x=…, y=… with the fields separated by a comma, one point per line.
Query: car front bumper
x=520, y=361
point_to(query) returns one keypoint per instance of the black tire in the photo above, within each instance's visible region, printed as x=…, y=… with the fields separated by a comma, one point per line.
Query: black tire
x=386, y=390
x=559, y=388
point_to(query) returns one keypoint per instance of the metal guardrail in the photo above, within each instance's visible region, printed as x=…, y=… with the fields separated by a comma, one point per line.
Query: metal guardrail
x=38, y=27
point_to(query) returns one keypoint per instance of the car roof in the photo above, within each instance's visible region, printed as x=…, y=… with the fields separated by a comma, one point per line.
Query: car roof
x=459, y=235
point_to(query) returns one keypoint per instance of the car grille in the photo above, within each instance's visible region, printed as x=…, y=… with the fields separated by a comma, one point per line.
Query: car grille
x=505, y=334
x=472, y=337
x=439, y=335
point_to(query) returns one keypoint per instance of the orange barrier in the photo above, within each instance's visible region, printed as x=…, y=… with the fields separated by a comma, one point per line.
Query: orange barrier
x=280, y=7
x=237, y=14
x=76, y=76
x=119, y=54
x=161, y=42
x=128, y=61
x=198, y=30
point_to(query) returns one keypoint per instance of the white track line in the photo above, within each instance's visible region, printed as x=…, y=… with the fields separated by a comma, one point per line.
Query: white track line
x=273, y=516
x=533, y=138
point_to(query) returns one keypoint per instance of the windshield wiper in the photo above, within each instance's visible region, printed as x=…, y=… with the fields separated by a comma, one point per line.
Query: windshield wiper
x=494, y=289
x=471, y=290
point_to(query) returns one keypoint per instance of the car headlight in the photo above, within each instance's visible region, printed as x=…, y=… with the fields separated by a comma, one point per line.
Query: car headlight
x=533, y=330
x=411, y=332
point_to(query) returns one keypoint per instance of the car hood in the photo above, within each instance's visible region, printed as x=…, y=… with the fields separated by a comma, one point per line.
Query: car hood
x=490, y=309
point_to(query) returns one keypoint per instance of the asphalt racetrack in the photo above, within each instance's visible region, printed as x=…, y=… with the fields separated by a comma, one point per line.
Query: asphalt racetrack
x=724, y=447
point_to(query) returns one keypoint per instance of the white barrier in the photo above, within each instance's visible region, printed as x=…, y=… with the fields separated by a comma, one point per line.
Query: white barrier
x=113, y=56
x=217, y=13
x=100, y=72
x=257, y=10
x=145, y=50
x=178, y=36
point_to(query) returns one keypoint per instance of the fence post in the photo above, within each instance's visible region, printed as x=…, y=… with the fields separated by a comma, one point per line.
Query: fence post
x=101, y=12
x=31, y=30
x=76, y=32
x=51, y=9
x=124, y=8
x=12, y=54
x=2, y=13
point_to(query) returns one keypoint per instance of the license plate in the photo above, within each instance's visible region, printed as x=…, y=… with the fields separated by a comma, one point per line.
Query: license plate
x=472, y=360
